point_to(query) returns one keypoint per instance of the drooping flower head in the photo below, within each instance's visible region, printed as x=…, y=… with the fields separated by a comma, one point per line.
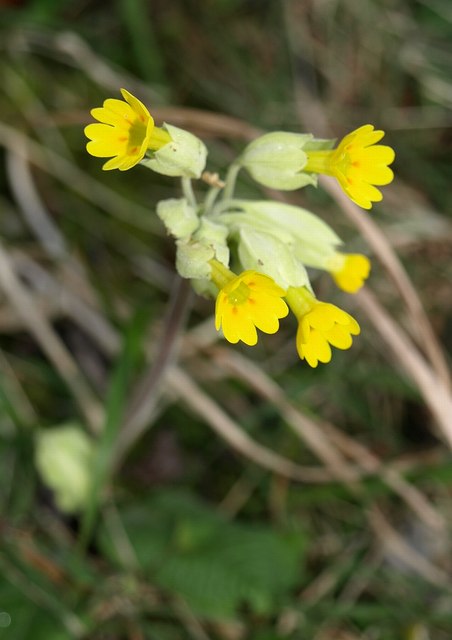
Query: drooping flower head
x=124, y=133
x=245, y=302
x=321, y=325
x=358, y=163
x=349, y=271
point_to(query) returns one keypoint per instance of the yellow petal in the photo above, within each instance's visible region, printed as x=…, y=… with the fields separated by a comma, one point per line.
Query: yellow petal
x=378, y=154
x=268, y=305
x=339, y=337
x=229, y=325
x=108, y=117
x=136, y=105
x=98, y=131
x=361, y=193
x=121, y=109
x=363, y=136
x=354, y=271
x=100, y=149
x=264, y=284
x=237, y=326
x=353, y=327
x=373, y=174
x=266, y=322
x=325, y=315
x=230, y=332
x=129, y=162
x=248, y=333
x=114, y=163
x=219, y=306
x=348, y=282
x=316, y=350
x=304, y=331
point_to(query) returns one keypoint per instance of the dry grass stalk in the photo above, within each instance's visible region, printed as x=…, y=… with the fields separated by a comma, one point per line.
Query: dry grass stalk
x=38, y=326
x=330, y=439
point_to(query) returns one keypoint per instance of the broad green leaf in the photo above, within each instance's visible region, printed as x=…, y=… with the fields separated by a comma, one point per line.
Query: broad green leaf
x=216, y=566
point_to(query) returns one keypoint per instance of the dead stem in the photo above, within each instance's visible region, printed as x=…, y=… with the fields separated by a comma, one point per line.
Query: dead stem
x=53, y=347
x=148, y=390
x=328, y=438
x=435, y=394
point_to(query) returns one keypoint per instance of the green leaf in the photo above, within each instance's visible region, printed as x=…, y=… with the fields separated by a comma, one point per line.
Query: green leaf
x=215, y=565
x=20, y=618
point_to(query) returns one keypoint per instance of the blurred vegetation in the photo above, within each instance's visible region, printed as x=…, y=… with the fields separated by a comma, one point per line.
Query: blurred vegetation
x=181, y=536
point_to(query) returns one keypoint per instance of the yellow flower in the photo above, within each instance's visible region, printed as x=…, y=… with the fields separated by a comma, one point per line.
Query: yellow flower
x=358, y=164
x=320, y=324
x=125, y=132
x=349, y=271
x=245, y=302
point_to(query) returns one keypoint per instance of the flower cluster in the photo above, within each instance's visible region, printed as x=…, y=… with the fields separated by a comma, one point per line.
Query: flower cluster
x=271, y=243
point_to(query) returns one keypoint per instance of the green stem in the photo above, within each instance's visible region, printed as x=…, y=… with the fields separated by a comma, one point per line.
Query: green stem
x=210, y=199
x=187, y=190
x=231, y=178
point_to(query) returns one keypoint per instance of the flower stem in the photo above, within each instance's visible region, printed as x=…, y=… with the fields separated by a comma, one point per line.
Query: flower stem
x=210, y=199
x=187, y=190
x=230, y=181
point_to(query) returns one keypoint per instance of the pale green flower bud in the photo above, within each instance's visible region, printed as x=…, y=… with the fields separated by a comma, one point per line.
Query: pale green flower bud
x=64, y=458
x=208, y=242
x=178, y=216
x=277, y=159
x=214, y=235
x=312, y=241
x=260, y=251
x=192, y=259
x=184, y=156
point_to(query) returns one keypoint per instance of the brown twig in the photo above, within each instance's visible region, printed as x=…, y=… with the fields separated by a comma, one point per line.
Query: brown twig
x=397, y=546
x=194, y=397
x=147, y=391
x=436, y=395
x=53, y=347
x=419, y=322
x=328, y=438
